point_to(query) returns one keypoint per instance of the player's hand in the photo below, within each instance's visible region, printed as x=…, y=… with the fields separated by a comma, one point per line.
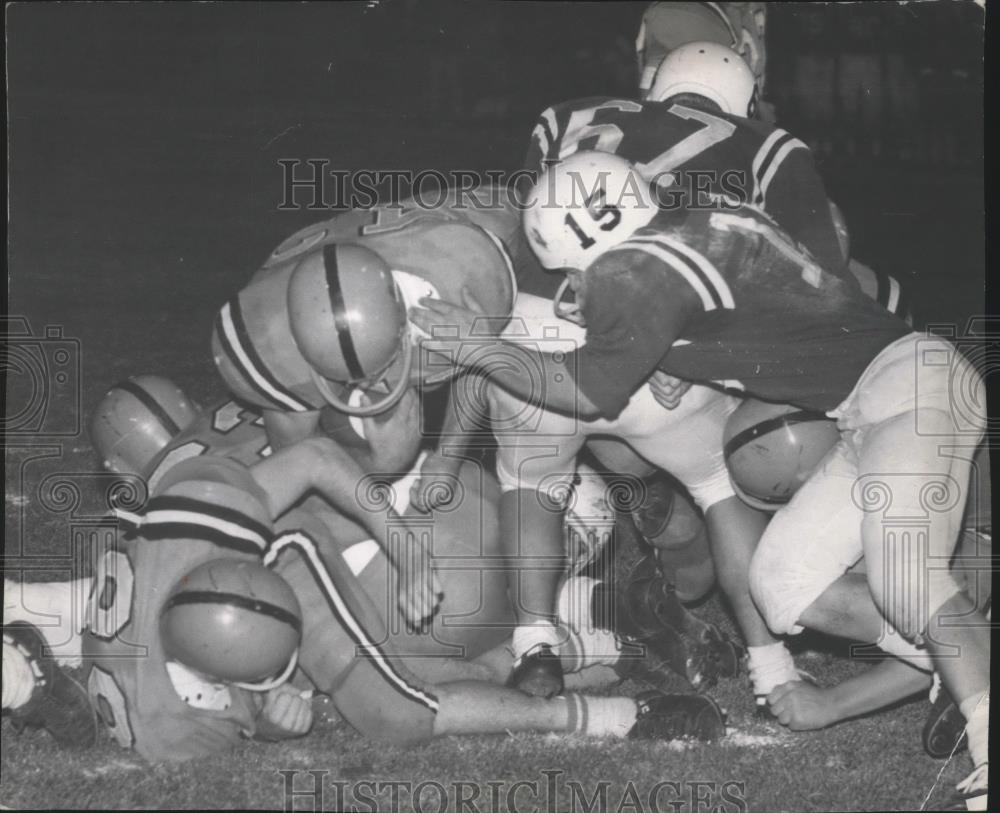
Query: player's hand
x=437, y=484
x=420, y=592
x=802, y=706
x=289, y=709
x=667, y=389
x=394, y=435
x=449, y=324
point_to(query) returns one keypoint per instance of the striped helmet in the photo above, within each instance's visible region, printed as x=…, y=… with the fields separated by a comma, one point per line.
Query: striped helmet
x=348, y=321
x=136, y=420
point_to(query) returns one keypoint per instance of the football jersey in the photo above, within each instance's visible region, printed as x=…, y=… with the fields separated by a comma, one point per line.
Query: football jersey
x=202, y=510
x=252, y=342
x=724, y=298
x=708, y=154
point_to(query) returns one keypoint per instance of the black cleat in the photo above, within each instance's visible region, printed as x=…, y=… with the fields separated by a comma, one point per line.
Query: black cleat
x=539, y=673
x=652, y=515
x=648, y=615
x=944, y=730
x=58, y=703
x=673, y=716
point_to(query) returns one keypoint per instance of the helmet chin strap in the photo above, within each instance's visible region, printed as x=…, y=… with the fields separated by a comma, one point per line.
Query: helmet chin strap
x=395, y=394
x=571, y=313
x=273, y=683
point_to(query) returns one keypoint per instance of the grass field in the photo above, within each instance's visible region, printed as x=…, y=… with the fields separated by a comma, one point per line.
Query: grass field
x=133, y=217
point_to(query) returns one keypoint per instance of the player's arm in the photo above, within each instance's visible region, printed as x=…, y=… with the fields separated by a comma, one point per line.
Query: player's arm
x=439, y=471
x=634, y=306
x=804, y=707
x=287, y=428
x=795, y=197
x=322, y=465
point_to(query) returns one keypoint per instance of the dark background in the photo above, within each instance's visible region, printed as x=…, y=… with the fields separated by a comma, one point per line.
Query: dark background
x=145, y=139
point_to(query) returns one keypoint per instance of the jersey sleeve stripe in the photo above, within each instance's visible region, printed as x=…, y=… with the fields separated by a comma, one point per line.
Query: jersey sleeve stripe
x=342, y=612
x=696, y=265
x=339, y=311
x=236, y=342
x=662, y=253
x=775, y=163
x=888, y=292
x=550, y=126
x=213, y=512
x=768, y=160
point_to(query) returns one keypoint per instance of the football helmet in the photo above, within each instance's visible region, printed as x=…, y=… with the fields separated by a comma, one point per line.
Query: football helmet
x=666, y=26
x=583, y=206
x=710, y=70
x=136, y=419
x=772, y=449
x=233, y=620
x=348, y=320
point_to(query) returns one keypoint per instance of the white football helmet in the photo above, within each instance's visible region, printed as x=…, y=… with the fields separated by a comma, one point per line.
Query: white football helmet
x=583, y=206
x=710, y=70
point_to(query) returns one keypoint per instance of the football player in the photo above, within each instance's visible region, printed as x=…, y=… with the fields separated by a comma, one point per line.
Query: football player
x=692, y=130
x=665, y=27
x=727, y=296
x=207, y=504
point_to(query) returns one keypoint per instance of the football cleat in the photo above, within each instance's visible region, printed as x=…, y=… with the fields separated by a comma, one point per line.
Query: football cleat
x=58, y=703
x=675, y=716
x=538, y=673
x=653, y=514
x=662, y=632
x=944, y=729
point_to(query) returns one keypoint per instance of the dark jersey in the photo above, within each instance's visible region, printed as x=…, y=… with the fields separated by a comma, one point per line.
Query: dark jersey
x=707, y=154
x=724, y=297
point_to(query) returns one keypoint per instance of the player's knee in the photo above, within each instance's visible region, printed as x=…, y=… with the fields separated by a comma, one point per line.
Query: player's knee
x=909, y=597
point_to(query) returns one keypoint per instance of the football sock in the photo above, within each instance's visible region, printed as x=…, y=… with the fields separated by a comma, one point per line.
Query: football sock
x=58, y=609
x=527, y=638
x=600, y=716
x=573, y=603
x=895, y=644
x=770, y=666
x=18, y=679
x=976, y=710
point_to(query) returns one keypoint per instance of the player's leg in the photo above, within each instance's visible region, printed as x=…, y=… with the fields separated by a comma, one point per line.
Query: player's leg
x=690, y=448
x=536, y=463
x=665, y=518
x=915, y=445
